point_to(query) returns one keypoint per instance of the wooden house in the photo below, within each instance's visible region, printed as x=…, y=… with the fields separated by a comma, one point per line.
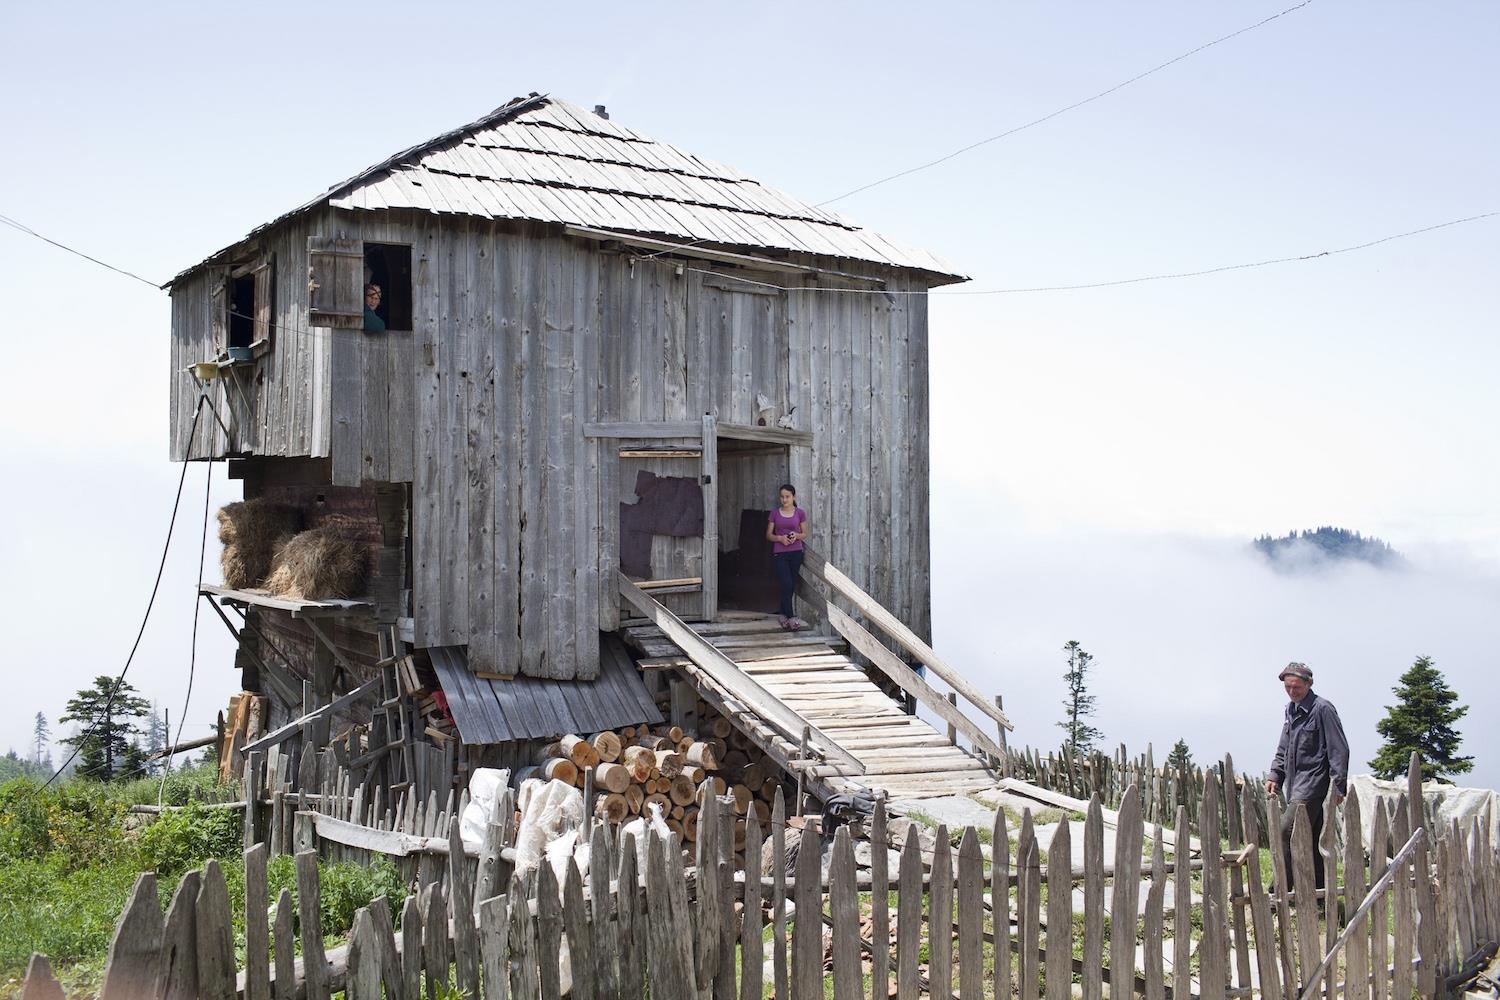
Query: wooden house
x=599, y=352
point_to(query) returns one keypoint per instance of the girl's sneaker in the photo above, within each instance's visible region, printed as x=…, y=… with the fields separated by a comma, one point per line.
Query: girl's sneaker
x=795, y=625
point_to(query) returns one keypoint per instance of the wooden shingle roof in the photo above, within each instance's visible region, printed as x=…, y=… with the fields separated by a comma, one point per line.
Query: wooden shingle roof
x=545, y=160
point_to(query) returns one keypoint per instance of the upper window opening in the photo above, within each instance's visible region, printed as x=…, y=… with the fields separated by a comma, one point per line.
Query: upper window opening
x=242, y=310
x=388, y=266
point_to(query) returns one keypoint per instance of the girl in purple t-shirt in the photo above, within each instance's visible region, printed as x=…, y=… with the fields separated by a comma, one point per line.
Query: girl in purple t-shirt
x=785, y=529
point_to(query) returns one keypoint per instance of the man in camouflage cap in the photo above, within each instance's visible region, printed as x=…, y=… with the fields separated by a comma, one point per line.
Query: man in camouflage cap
x=1312, y=755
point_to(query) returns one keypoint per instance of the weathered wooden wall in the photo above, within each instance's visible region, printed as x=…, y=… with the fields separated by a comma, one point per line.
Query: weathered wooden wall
x=521, y=337
x=278, y=406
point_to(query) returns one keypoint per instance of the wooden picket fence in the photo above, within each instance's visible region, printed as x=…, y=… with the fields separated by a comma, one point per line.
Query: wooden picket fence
x=1014, y=916
x=1162, y=789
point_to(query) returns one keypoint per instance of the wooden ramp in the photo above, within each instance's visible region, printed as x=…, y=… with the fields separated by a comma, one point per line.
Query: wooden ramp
x=901, y=755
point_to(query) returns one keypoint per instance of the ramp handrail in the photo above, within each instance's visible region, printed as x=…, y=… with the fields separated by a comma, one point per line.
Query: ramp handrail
x=732, y=679
x=819, y=568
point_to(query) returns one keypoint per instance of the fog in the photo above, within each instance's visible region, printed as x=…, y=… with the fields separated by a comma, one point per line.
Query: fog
x=1189, y=633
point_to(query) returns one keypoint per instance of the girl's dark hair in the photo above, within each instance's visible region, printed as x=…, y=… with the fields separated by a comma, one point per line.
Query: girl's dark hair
x=788, y=487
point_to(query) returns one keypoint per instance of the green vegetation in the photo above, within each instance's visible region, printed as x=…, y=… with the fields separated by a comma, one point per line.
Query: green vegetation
x=70, y=854
x=1327, y=543
x=109, y=744
x=1422, y=721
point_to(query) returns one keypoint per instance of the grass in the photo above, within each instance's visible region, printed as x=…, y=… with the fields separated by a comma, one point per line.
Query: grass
x=70, y=855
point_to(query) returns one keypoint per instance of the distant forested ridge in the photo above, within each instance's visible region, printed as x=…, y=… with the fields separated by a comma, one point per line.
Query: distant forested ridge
x=1326, y=543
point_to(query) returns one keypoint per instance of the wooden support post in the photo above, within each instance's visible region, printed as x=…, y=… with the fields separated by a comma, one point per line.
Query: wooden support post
x=684, y=711
x=802, y=770
x=1000, y=705
x=952, y=729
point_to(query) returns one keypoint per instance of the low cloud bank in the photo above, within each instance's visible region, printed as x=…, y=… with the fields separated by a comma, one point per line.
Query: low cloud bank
x=1188, y=635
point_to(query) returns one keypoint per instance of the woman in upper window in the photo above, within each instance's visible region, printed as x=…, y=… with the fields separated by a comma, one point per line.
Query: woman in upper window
x=785, y=529
x=373, y=322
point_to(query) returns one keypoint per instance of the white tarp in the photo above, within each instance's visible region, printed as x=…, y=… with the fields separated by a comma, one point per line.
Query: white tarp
x=1442, y=803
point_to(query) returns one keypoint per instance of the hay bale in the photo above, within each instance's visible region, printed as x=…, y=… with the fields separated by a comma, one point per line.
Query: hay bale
x=250, y=531
x=317, y=565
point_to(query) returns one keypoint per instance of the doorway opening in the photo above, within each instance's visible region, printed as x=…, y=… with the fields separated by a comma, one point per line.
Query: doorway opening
x=750, y=472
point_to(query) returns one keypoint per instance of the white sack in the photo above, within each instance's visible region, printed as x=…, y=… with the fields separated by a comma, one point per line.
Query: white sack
x=548, y=811
x=484, y=795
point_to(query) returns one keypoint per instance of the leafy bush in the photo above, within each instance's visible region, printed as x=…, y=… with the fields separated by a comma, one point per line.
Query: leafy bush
x=344, y=888
x=196, y=782
x=76, y=819
x=183, y=839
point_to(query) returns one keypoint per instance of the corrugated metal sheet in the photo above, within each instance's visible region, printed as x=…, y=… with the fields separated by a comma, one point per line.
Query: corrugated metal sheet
x=490, y=711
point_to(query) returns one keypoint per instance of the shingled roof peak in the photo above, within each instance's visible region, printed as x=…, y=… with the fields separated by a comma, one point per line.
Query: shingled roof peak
x=542, y=159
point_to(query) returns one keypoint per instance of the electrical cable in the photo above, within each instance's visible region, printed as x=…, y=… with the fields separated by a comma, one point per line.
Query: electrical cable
x=943, y=293
x=155, y=587
x=208, y=482
x=14, y=224
x=1031, y=124
x=1060, y=111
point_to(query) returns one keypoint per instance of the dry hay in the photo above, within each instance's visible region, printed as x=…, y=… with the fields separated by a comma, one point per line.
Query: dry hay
x=317, y=565
x=250, y=531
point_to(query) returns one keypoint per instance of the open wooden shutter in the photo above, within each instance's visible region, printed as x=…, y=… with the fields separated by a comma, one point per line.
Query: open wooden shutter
x=218, y=307
x=265, y=297
x=336, y=282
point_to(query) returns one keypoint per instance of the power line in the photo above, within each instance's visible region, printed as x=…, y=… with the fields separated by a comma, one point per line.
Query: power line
x=1063, y=110
x=187, y=698
x=941, y=293
x=12, y=223
x=1226, y=267
x=156, y=586
x=1031, y=124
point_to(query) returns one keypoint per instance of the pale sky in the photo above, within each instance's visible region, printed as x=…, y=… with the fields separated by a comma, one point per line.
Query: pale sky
x=1094, y=451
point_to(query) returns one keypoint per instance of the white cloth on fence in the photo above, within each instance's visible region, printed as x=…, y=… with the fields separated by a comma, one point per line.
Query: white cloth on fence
x=548, y=810
x=484, y=794
x=1443, y=803
x=657, y=824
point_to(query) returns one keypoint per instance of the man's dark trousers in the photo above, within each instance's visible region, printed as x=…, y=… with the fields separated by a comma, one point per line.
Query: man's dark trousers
x=1314, y=824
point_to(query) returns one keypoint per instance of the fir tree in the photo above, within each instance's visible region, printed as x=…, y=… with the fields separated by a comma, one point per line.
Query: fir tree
x=1181, y=758
x=40, y=732
x=1421, y=720
x=1079, y=704
x=107, y=712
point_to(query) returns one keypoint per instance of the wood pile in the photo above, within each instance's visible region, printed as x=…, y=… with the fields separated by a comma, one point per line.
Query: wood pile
x=246, y=723
x=639, y=766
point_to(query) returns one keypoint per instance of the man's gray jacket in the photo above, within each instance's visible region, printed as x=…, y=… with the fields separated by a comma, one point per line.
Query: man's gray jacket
x=1312, y=751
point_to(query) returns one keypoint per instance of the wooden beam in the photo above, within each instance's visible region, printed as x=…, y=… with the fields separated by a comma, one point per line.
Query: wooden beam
x=889, y=663
x=686, y=581
x=369, y=688
x=687, y=250
x=709, y=479
x=268, y=675
x=327, y=642
x=646, y=429
x=727, y=674
x=299, y=609
x=178, y=748
x=822, y=569
x=768, y=435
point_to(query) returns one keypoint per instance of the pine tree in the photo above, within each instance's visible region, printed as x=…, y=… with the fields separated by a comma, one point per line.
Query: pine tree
x=1181, y=758
x=40, y=732
x=1079, y=704
x=1421, y=720
x=107, y=712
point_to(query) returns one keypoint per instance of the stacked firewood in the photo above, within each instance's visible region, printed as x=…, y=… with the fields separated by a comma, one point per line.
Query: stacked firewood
x=666, y=766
